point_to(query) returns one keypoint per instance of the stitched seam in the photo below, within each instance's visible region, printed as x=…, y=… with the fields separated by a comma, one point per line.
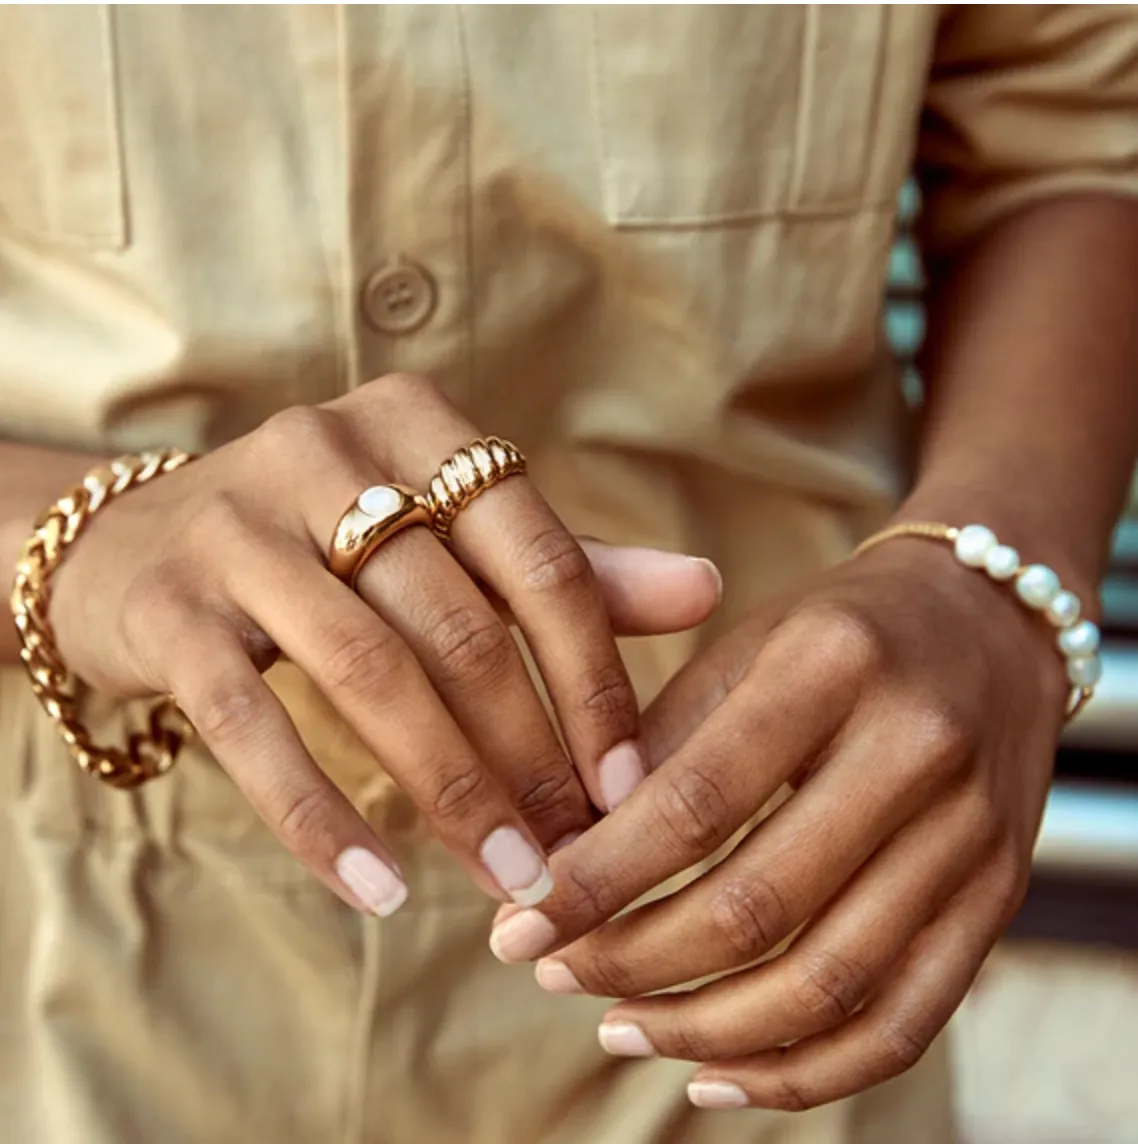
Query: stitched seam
x=596, y=91
x=805, y=94
x=347, y=348
x=359, y=1046
x=466, y=197
x=742, y=218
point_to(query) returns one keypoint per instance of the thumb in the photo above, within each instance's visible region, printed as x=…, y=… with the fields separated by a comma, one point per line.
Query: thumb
x=651, y=592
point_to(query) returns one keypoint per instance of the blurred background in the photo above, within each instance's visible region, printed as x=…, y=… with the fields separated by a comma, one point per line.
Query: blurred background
x=1048, y=1040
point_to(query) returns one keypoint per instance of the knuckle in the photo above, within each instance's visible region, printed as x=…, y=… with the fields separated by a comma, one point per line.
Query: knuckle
x=302, y=819
x=473, y=646
x=395, y=393
x=839, y=640
x=360, y=662
x=217, y=520
x=148, y=605
x=453, y=795
x=829, y=986
x=300, y=429
x=399, y=386
x=551, y=560
x=228, y=714
x=549, y=792
x=591, y=893
x=610, y=697
x=940, y=736
x=790, y=1095
x=608, y=976
x=693, y=810
x=901, y=1046
x=687, y=1041
x=750, y=917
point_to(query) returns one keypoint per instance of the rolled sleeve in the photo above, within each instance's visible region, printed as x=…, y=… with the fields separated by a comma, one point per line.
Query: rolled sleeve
x=1026, y=102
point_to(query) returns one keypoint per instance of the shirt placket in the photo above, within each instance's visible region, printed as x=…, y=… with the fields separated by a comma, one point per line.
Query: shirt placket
x=406, y=118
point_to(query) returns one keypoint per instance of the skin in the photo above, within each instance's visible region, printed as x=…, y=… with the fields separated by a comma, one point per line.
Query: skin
x=194, y=583
x=912, y=705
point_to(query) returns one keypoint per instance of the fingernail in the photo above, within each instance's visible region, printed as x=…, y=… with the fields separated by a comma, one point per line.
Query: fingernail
x=371, y=880
x=624, y=1039
x=717, y=1094
x=523, y=937
x=516, y=866
x=556, y=977
x=568, y=840
x=620, y=772
x=714, y=570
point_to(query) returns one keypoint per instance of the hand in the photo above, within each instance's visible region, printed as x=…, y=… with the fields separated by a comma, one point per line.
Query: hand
x=194, y=583
x=914, y=707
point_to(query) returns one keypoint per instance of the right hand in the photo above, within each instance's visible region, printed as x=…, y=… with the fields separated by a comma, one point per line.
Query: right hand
x=194, y=583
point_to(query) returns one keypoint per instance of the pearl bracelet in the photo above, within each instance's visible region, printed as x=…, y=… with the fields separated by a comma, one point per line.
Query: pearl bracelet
x=1036, y=585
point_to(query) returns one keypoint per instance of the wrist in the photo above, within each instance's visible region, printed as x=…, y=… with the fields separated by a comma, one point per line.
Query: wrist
x=1043, y=529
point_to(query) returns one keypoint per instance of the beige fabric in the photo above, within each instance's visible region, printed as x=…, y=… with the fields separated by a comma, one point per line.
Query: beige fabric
x=648, y=244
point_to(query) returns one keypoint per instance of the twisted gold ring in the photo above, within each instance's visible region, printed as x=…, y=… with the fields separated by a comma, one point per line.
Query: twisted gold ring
x=466, y=475
x=376, y=515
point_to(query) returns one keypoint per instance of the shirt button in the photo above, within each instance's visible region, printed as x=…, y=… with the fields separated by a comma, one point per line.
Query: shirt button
x=399, y=297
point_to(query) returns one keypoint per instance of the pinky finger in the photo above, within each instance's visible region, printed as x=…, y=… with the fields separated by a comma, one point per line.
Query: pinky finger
x=249, y=732
x=887, y=1037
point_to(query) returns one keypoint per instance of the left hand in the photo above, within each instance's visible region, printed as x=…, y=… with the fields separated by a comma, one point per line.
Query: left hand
x=914, y=706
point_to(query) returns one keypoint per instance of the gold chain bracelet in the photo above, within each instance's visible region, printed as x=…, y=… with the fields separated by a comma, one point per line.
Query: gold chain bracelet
x=149, y=752
x=1037, y=586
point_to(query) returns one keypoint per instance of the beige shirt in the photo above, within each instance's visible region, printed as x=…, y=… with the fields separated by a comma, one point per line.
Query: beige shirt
x=648, y=244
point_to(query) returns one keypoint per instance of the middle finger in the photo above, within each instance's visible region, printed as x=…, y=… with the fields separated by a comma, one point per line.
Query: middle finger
x=470, y=656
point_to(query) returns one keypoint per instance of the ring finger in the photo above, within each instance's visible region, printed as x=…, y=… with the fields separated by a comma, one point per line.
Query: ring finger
x=471, y=659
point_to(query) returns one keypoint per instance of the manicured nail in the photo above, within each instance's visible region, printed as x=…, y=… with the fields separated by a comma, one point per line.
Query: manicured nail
x=624, y=1039
x=717, y=1094
x=516, y=866
x=568, y=840
x=714, y=570
x=556, y=977
x=621, y=771
x=523, y=937
x=372, y=881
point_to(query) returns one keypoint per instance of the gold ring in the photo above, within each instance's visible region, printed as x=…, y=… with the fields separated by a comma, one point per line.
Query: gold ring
x=466, y=475
x=376, y=515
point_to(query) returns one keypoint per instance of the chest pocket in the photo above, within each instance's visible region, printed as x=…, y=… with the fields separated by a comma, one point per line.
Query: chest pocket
x=61, y=174
x=723, y=114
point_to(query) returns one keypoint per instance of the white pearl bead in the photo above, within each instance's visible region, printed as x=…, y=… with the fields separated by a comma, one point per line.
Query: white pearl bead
x=1064, y=610
x=1081, y=640
x=973, y=543
x=1037, y=586
x=1002, y=562
x=1084, y=670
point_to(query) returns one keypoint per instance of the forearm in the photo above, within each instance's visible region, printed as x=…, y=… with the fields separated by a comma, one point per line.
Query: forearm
x=30, y=479
x=1031, y=369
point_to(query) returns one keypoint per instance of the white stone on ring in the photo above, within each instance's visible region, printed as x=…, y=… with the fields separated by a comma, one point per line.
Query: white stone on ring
x=973, y=543
x=379, y=502
x=1037, y=586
